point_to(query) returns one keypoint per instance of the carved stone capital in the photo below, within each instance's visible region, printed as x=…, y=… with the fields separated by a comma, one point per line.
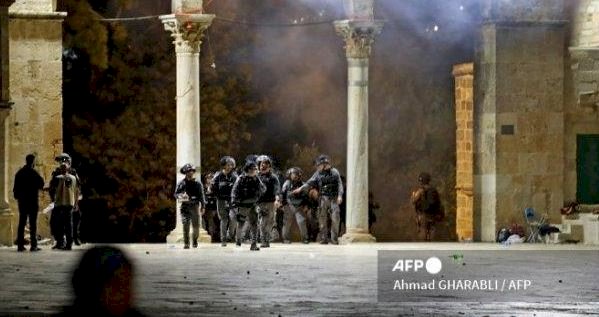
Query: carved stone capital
x=187, y=30
x=358, y=35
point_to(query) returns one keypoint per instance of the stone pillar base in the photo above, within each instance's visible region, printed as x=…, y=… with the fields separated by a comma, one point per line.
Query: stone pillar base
x=176, y=237
x=6, y=229
x=357, y=236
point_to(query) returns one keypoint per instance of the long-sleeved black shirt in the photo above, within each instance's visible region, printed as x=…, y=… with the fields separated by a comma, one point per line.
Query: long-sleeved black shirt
x=247, y=190
x=273, y=187
x=288, y=197
x=28, y=183
x=194, y=190
x=328, y=182
x=222, y=184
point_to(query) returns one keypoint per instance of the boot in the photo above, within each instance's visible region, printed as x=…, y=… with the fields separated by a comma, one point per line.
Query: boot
x=254, y=247
x=238, y=243
x=195, y=244
x=265, y=245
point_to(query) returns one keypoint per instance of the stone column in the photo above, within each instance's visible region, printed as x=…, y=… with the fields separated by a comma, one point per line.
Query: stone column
x=359, y=37
x=464, y=115
x=6, y=216
x=187, y=31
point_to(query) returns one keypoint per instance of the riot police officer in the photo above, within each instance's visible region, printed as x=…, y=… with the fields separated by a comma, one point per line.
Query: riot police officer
x=244, y=196
x=295, y=205
x=270, y=200
x=221, y=186
x=328, y=182
x=190, y=192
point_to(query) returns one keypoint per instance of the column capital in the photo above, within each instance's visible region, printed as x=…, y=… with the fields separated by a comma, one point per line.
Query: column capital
x=358, y=36
x=187, y=30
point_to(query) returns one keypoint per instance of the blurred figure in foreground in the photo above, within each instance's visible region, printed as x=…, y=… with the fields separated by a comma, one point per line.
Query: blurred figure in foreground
x=103, y=284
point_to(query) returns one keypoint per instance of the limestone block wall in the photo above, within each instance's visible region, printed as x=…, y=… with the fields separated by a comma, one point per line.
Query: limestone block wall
x=582, y=88
x=586, y=24
x=35, y=123
x=519, y=118
x=464, y=101
x=523, y=10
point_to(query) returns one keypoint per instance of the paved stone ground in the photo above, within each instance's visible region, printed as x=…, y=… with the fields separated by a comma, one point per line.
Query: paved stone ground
x=285, y=280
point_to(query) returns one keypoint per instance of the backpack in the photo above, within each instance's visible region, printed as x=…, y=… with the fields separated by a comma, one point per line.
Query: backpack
x=430, y=202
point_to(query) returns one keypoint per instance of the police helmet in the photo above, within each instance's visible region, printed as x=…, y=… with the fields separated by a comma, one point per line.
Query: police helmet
x=294, y=170
x=249, y=166
x=322, y=159
x=187, y=168
x=227, y=160
x=424, y=178
x=63, y=157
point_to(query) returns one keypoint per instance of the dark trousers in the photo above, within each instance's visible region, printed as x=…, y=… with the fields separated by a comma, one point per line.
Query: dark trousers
x=227, y=226
x=190, y=213
x=76, y=225
x=61, y=224
x=328, y=207
x=249, y=215
x=27, y=210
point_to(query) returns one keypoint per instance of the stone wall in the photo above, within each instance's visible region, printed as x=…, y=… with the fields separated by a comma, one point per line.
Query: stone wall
x=586, y=24
x=35, y=122
x=519, y=120
x=464, y=99
x=582, y=88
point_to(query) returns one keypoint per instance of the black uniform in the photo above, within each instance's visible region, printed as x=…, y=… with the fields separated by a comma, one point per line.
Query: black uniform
x=222, y=185
x=295, y=205
x=190, y=209
x=210, y=219
x=28, y=183
x=329, y=184
x=245, y=195
x=266, y=204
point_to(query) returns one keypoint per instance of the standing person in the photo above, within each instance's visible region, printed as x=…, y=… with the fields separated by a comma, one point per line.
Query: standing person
x=269, y=201
x=372, y=206
x=244, y=196
x=210, y=216
x=221, y=186
x=76, y=214
x=28, y=183
x=64, y=192
x=295, y=205
x=190, y=193
x=328, y=182
x=428, y=207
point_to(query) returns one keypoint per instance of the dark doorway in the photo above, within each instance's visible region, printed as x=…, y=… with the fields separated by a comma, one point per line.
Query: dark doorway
x=587, y=166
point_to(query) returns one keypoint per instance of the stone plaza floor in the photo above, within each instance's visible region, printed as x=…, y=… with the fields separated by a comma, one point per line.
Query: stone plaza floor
x=284, y=280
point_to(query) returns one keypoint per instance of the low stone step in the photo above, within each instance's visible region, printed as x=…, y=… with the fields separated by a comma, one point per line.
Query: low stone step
x=589, y=224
